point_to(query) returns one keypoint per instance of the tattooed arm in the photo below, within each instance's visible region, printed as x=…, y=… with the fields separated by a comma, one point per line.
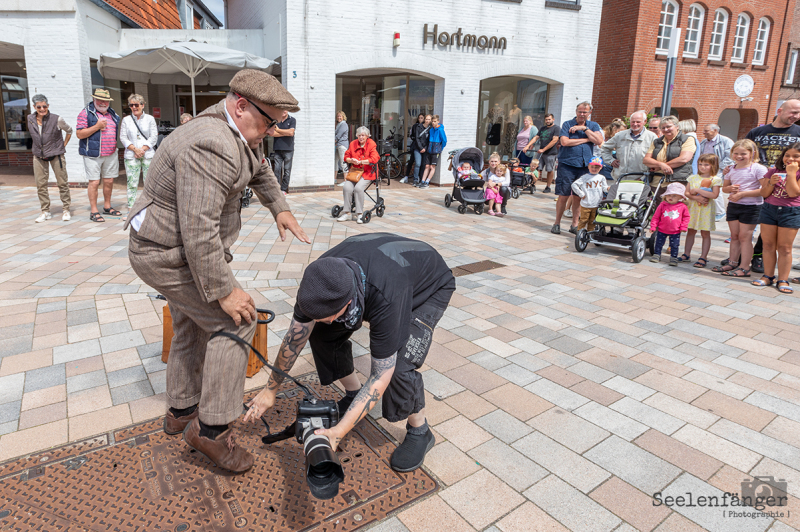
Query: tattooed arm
x=372, y=391
x=294, y=342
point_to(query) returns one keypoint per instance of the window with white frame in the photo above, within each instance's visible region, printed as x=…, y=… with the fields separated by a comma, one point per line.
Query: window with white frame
x=207, y=26
x=189, y=16
x=691, y=46
x=791, y=68
x=762, y=36
x=669, y=19
x=740, y=38
x=718, y=29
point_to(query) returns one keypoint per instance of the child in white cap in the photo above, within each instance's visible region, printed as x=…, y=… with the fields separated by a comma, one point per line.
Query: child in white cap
x=670, y=220
x=590, y=188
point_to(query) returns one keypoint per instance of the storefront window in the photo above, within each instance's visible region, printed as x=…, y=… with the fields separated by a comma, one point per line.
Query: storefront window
x=387, y=105
x=504, y=103
x=120, y=90
x=205, y=96
x=16, y=107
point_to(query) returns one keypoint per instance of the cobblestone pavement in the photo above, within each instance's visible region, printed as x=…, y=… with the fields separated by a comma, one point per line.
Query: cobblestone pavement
x=565, y=388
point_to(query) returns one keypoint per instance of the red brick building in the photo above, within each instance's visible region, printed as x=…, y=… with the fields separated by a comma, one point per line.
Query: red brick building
x=720, y=41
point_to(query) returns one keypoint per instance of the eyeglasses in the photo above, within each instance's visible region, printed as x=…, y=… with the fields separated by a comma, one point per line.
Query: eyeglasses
x=134, y=105
x=41, y=107
x=271, y=122
x=653, y=128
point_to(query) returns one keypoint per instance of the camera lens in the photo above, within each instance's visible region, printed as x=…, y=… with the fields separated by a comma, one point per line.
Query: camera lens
x=323, y=471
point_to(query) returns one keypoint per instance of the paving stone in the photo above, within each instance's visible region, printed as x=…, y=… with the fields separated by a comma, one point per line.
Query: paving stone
x=153, y=364
x=773, y=404
x=131, y=392
x=757, y=442
x=556, y=458
x=80, y=317
x=118, y=342
x=517, y=374
x=556, y=394
x=568, y=429
x=528, y=518
x=571, y=507
x=392, y=524
x=16, y=346
x=746, y=367
x=670, y=385
x=616, y=364
x=507, y=464
x=149, y=350
x=705, y=517
x=679, y=454
x=126, y=376
x=648, y=415
x=630, y=504
x=567, y=345
x=475, y=378
x=46, y=377
x=86, y=381
x=488, y=360
x=737, y=411
x=529, y=346
x=539, y=334
x=629, y=388
x=10, y=411
x=76, y=351
x=469, y=404
x=591, y=372
x=468, y=498
x=718, y=384
x=517, y=401
x=463, y=433
x=617, y=336
x=611, y=421
x=12, y=387
x=698, y=329
x=632, y=464
x=503, y=426
x=439, y=385
x=717, y=447
x=418, y=516
x=449, y=463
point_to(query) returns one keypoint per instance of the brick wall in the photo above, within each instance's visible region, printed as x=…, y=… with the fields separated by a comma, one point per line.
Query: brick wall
x=706, y=87
x=11, y=158
x=320, y=41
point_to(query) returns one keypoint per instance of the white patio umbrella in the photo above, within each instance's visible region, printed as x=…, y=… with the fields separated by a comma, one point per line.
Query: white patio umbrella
x=169, y=64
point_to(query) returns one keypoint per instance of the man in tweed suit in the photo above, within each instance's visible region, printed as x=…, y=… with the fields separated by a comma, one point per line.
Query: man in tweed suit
x=182, y=228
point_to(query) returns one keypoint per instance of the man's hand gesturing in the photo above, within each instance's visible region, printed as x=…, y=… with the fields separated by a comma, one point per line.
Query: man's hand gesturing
x=239, y=305
x=285, y=220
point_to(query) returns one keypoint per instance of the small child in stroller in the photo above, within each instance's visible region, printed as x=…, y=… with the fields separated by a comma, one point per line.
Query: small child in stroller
x=465, y=171
x=492, y=190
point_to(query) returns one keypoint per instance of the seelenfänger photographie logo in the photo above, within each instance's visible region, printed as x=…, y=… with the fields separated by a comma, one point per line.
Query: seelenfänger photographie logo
x=764, y=494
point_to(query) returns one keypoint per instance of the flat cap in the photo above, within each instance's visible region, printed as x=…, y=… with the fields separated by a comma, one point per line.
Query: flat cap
x=260, y=86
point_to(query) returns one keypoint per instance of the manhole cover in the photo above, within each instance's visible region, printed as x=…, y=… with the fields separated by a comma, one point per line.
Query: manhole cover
x=148, y=481
x=476, y=267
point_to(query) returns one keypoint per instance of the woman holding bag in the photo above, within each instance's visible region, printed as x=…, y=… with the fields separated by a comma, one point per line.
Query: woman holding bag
x=437, y=140
x=139, y=135
x=525, y=141
x=361, y=155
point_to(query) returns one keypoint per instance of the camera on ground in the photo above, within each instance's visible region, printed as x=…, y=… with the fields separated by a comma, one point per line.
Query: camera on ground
x=324, y=472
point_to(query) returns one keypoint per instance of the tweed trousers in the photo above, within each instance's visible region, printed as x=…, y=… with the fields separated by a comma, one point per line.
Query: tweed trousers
x=201, y=371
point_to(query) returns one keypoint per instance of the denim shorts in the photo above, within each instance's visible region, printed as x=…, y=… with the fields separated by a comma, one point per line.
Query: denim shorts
x=567, y=175
x=744, y=214
x=788, y=217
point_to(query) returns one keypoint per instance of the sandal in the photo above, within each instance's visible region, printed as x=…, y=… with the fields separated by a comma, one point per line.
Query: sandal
x=783, y=289
x=762, y=282
x=684, y=258
x=735, y=273
x=111, y=212
x=701, y=263
x=725, y=268
x=796, y=280
x=96, y=217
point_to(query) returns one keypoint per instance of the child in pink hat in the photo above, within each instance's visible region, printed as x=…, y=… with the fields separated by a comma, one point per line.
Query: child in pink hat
x=670, y=220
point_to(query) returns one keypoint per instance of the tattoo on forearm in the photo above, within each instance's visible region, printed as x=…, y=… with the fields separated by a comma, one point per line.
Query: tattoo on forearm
x=367, y=398
x=294, y=342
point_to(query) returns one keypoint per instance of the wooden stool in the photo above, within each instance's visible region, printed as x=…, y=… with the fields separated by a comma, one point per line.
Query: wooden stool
x=254, y=365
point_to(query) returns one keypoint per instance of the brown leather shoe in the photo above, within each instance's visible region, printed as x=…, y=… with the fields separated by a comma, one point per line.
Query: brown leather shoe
x=222, y=450
x=175, y=425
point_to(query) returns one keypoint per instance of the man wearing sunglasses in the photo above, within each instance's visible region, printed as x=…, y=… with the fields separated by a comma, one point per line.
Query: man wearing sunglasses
x=182, y=229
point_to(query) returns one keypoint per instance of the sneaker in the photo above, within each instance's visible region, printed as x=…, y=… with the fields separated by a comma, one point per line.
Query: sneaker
x=655, y=258
x=360, y=219
x=546, y=190
x=757, y=265
x=727, y=240
x=719, y=217
x=568, y=213
x=556, y=230
x=503, y=209
x=411, y=453
x=796, y=266
x=673, y=261
x=404, y=180
x=66, y=216
x=344, y=218
x=340, y=184
x=424, y=185
x=573, y=229
x=491, y=213
x=43, y=217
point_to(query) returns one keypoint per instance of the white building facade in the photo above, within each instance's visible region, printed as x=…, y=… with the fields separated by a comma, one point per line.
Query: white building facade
x=476, y=63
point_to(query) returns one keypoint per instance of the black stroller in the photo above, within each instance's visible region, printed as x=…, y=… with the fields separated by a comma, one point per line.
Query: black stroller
x=380, y=206
x=520, y=179
x=468, y=192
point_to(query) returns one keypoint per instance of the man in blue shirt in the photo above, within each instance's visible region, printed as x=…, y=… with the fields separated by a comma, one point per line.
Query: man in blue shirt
x=578, y=138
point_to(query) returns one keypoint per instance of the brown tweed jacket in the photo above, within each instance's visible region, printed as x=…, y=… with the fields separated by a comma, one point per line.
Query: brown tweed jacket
x=192, y=195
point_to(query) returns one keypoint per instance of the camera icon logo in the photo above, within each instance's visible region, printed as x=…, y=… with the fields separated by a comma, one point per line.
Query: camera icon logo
x=759, y=490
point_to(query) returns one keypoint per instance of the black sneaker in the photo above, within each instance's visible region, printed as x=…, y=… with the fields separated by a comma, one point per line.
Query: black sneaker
x=503, y=209
x=546, y=190
x=757, y=265
x=573, y=229
x=556, y=229
x=343, y=404
x=411, y=453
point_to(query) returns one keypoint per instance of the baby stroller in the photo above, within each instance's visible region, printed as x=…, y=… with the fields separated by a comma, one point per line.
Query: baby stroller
x=468, y=192
x=379, y=207
x=521, y=180
x=622, y=219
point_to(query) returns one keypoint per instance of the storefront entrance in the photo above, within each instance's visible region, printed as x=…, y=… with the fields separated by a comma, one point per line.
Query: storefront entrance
x=504, y=103
x=386, y=104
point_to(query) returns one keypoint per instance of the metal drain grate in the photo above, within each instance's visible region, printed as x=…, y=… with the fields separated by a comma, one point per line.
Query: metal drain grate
x=149, y=481
x=476, y=267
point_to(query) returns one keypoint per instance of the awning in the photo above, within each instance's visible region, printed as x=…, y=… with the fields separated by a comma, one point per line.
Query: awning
x=172, y=63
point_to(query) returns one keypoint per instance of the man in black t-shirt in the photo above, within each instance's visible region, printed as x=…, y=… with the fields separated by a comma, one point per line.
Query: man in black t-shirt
x=771, y=139
x=283, y=150
x=401, y=287
x=548, y=151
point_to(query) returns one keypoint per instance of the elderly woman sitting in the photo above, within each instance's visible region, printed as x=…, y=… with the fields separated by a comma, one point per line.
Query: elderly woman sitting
x=361, y=155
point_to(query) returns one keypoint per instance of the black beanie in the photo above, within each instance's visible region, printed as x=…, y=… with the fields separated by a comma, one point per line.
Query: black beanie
x=326, y=288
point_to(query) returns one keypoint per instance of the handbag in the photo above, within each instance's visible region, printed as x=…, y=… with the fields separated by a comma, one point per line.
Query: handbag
x=354, y=176
x=142, y=133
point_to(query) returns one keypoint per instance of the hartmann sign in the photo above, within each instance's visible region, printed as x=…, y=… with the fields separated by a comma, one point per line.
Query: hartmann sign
x=462, y=39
